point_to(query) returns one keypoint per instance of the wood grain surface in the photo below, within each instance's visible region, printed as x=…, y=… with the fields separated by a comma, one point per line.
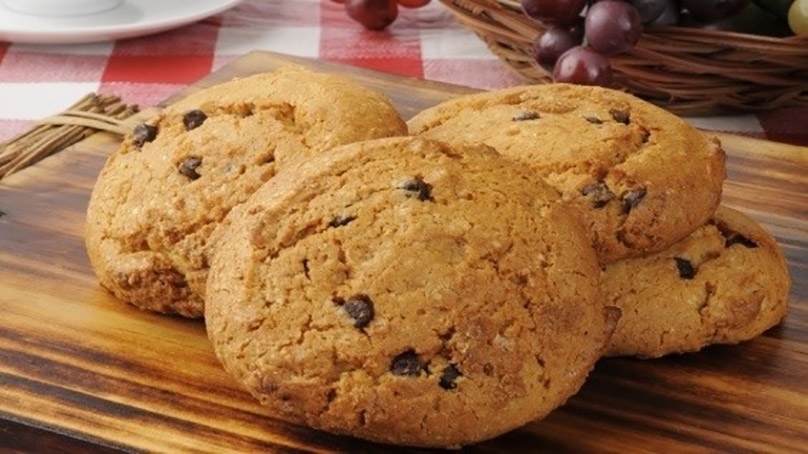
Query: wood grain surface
x=80, y=371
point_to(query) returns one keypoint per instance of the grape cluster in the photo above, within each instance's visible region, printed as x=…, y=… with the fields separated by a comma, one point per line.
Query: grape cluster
x=581, y=35
x=377, y=14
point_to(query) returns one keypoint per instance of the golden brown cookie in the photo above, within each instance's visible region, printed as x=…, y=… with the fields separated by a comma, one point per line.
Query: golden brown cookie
x=726, y=283
x=642, y=177
x=404, y=292
x=158, y=198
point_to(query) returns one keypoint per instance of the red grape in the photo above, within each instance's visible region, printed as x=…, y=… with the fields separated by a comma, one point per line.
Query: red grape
x=583, y=66
x=413, y=3
x=373, y=14
x=712, y=10
x=612, y=27
x=554, y=42
x=557, y=12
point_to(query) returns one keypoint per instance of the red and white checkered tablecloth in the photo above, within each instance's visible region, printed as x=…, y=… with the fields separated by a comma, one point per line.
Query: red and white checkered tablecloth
x=40, y=80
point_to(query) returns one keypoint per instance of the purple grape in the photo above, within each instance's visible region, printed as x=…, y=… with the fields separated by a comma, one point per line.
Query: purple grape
x=778, y=7
x=651, y=9
x=668, y=17
x=556, y=12
x=554, y=42
x=583, y=66
x=751, y=20
x=713, y=10
x=612, y=27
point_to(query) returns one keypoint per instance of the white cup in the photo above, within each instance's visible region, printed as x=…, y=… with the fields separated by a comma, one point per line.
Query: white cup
x=61, y=8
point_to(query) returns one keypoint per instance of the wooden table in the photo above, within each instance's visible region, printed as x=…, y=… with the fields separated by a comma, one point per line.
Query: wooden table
x=80, y=371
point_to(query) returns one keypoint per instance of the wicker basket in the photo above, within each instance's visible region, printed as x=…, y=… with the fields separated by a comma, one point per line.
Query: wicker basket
x=686, y=70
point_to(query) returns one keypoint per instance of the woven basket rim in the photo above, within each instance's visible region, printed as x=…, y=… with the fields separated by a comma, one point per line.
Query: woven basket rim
x=687, y=70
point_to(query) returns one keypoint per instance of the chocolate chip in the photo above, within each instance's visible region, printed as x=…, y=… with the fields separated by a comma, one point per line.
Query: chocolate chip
x=488, y=369
x=686, y=270
x=360, y=308
x=620, y=116
x=341, y=221
x=418, y=188
x=594, y=120
x=737, y=238
x=527, y=115
x=632, y=198
x=406, y=363
x=646, y=134
x=598, y=193
x=2, y=213
x=143, y=133
x=450, y=374
x=189, y=165
x=193, y=119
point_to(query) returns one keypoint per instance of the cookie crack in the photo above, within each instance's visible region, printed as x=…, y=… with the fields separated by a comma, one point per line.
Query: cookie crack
x=494, y=257
x=333, y=394
x=598, y=171
x=312, y=228
x=301, y=335
x=284, y=113
x=731, y=236
x=662, y=336
x=709, y=292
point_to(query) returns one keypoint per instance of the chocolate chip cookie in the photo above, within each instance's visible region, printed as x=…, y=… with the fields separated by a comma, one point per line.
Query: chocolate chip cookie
x=726, y=283
x=406, y=292
x=642, y=177
x=176, y=176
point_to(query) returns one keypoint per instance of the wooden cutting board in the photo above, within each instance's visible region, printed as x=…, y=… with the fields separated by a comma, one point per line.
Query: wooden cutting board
x=80, y=371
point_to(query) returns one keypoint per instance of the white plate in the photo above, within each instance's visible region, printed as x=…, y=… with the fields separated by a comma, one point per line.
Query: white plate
x=132, y=18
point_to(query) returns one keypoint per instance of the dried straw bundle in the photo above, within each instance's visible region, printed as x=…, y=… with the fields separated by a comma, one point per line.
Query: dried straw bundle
x=89, y=115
